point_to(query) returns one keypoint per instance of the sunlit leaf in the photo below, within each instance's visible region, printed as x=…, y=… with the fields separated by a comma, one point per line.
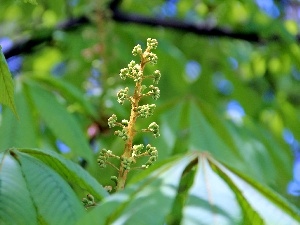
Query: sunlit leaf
x=216, y=195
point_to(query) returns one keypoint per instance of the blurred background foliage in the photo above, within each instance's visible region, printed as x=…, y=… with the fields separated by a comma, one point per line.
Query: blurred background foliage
x=230, y=80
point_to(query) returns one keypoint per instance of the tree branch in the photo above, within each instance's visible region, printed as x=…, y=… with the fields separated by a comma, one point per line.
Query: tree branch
x=184, y=26
x=27, y=45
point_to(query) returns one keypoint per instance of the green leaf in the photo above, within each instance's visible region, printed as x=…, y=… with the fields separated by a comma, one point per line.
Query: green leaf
x=69, y=170
x=22, y=132
x=60, y=121
x=16, y=206
x=209, y=193
x=70, y=92
x=54, y=199
x=133, y=205
x=6, y=85
x=204, y=136
x=33, y=2
x=272, y=208
x=214, y=201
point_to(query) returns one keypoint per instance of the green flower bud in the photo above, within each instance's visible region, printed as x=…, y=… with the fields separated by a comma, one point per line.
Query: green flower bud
x=154, y=91
x=156, y=76
x=112, y=121
x=90, y=197
x=122, y=134
x=114, y=179
x=154, y=128
x=146, y=110
x=122, y=95
x=84, y=201
x=124, y=73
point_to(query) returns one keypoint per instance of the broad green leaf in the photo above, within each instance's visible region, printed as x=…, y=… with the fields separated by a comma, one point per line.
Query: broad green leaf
x=133, y=205
x=22, y=132
x=207, y=199
x=33, y=193
x=169, y=129
x=16, y=206
x=272, y=208
x=211, y=200
x=54, y=199
x=215, y=195
x=60, y=121
x=203, y=136
x=6, y=85
x=69, y=170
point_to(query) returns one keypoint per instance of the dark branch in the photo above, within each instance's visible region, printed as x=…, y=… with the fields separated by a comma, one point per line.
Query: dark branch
x=27, y=45
x=184, y=26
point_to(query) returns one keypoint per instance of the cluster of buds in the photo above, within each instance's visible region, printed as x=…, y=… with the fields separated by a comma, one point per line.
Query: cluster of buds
x=88, y=201
x=132, y=71
x=122, y=134
x=135, y=71
x=104, y=155
x=122, y=95
x=126, y=162
x=145, y=111
x=112, y=122
x=102, y=158
x=152, y=152
x=154, y=92
x=154, y=128
x=136, y=150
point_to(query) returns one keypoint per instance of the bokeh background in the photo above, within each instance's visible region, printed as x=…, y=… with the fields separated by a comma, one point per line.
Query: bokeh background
x=230, y=80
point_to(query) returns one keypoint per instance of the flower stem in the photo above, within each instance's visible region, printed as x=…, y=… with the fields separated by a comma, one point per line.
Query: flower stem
x=122, y=177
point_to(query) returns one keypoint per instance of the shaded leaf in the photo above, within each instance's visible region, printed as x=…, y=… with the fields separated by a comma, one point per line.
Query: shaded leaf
x=6, y=85
x=70, y=92
x=22, y=132
x=60, y=121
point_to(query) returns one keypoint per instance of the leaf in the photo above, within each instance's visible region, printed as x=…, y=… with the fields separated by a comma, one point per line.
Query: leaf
x=16, y=206
x=12, y=131
x=33, y=188
x=69, y=170
x=33, y=193
x=204, y=136
x=69, y=91
x=33, y=2
x=272, y=208
x=60, y=121
x=212, y=201
x=6, y=85
x=134, y=204
x=54, y=199
x=209, y=193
